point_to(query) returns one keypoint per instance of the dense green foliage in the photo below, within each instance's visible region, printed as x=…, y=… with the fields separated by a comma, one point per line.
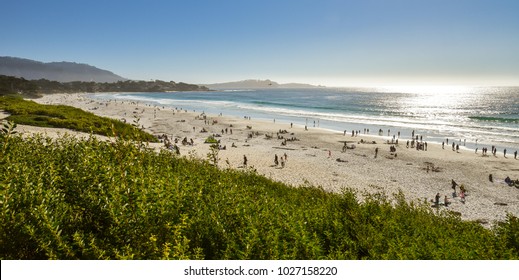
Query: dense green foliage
x=10, y=84
x=60, y=116
x=89, y=199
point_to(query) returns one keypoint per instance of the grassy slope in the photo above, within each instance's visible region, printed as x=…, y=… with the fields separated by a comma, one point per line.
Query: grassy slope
x=69, y=199
x=60, y=116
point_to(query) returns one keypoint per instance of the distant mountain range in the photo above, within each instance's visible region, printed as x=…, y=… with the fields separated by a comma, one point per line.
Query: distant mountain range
x=255, y=84
x=55, y=71
x=66, y=72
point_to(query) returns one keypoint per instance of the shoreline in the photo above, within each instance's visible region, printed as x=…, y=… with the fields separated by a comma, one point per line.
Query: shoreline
x=467, y=138
x=315, y=157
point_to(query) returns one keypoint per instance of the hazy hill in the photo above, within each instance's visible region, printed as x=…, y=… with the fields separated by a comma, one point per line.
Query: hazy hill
x=55, y=71
x=256, y=84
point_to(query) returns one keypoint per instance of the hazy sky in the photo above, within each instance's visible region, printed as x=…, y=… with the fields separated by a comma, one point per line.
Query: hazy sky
x=335, y=43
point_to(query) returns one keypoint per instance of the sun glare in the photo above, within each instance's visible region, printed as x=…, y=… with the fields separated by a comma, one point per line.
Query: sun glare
x=433, y=90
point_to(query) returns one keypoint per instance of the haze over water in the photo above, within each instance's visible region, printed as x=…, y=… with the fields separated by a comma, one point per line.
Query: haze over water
x=489, y=115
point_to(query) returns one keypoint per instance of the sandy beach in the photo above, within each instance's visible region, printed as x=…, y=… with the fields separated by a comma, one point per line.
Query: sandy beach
x=315, y=156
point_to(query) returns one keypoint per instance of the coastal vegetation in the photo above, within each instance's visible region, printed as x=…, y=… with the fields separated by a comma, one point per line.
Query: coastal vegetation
x=28, y=112
x=89, y=199
x=31, y=88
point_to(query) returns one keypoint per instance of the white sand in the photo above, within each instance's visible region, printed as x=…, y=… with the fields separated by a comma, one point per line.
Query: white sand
x=309, y=162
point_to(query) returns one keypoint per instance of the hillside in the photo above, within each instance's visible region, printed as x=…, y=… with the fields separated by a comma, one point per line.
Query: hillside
x=92, y=199
x=256, y=84
x=9, y=84
x=55, y=71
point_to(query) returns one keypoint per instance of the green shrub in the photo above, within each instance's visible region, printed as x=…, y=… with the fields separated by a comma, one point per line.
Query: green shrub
x=90, y=199
x=59, y=116
x=211, y=140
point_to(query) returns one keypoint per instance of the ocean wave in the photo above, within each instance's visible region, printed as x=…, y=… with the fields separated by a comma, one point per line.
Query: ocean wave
x=453, y=126
x=238, y=90
x=494, y=119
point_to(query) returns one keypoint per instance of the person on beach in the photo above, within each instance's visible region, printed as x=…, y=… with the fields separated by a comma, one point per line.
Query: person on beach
x=462, y=188
x=245, y=160
x=515, y=155
x=437, y=200
x=276, y=160
x=454, y=184
x=446, y=201
x=376, y=152
x=504, y=153
x=462, y=196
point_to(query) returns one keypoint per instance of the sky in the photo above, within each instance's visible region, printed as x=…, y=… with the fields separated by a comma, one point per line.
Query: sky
x=326, y=42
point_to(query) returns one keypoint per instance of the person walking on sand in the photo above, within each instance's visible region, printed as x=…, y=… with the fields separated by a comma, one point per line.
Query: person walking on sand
x=446, y=201
x=454, y=184
x=462, y=196
x=245, y=160
x=437, y=200
x=376, y=152
x=515, y=155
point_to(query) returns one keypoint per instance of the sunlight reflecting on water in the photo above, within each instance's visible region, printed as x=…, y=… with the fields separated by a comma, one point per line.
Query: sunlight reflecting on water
x=446, y=103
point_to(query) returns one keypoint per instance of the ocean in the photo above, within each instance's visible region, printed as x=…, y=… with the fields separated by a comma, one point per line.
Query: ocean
x=470, y=116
